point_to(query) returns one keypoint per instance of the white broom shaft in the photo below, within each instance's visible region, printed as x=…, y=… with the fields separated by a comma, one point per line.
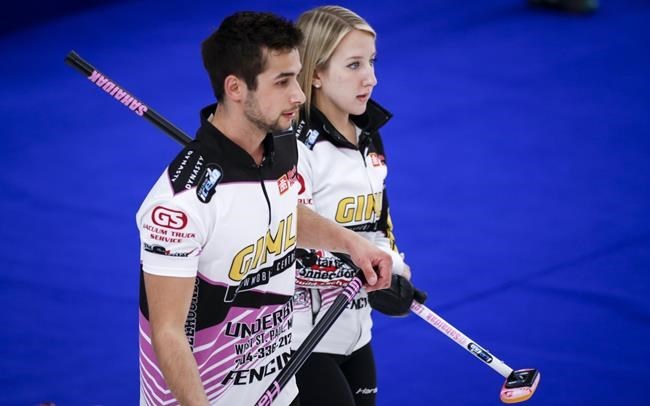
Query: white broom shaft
x=461, y=339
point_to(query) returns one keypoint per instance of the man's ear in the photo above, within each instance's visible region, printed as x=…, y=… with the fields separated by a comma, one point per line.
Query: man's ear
x=234, y=88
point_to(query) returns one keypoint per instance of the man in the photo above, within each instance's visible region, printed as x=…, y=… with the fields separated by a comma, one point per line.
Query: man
x=220, y=227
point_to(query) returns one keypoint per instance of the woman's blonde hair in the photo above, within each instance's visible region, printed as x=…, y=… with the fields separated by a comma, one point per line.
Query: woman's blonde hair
x=323, y=29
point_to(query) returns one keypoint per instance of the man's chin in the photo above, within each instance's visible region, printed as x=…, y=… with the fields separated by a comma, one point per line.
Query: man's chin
x=282, y=126
x=278, y=127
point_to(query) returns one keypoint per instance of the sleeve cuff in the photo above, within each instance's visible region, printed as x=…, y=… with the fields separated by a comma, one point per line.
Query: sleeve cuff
x=398, y=261
x=161, y=265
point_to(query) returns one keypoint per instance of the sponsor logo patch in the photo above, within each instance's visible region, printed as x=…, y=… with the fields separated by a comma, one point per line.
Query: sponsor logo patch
x=283, y=184
x=479, y=352
x=168, y=218
x=186, y=170
x=211, y=177
x=376, y=159
x=160, y=250
x=301, y=180
x=300, y=298
x=315, y=269
x=288, y=179
x=310, y=140
x=366, y=391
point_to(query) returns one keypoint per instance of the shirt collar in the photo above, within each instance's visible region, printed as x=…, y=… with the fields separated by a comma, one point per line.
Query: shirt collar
x=369, y=122
x=211, y=137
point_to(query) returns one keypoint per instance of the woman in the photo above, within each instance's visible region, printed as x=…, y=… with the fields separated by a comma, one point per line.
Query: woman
x=342, y=171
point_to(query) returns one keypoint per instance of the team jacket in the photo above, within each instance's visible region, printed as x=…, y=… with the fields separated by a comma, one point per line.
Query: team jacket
x=344, y=183
x=216, y=216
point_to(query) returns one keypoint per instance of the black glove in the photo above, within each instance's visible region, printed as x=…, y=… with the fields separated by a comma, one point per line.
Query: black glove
x=396, y=300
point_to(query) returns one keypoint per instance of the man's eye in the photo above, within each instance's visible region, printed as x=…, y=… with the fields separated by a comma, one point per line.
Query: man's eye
x=282, y=83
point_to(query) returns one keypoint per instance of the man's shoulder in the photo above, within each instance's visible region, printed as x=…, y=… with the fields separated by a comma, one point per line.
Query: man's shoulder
x=194, y=168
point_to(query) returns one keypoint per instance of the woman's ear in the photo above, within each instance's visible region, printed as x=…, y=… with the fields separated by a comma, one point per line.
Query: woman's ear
x=316, y=81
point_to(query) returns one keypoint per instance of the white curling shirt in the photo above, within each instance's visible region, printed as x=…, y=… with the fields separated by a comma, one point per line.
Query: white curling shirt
x=344, y=183
x=216, y=216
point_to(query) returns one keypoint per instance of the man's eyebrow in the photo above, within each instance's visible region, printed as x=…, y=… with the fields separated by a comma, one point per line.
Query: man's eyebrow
x=285, y=75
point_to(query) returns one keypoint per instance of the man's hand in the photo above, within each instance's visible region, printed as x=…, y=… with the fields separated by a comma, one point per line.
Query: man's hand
x=374, y=262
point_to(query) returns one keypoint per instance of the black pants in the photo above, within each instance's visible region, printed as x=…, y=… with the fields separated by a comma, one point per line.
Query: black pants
x=345, y=380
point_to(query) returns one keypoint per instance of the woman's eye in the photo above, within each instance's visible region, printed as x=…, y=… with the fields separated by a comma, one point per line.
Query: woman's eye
x=353, y=65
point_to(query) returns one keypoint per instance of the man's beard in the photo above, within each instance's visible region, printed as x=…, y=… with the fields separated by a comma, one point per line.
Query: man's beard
x=254, y=115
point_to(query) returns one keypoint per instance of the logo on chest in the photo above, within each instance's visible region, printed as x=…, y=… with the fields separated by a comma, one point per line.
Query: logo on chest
x=287, y=180
x=376, y=159
x=359, y=208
